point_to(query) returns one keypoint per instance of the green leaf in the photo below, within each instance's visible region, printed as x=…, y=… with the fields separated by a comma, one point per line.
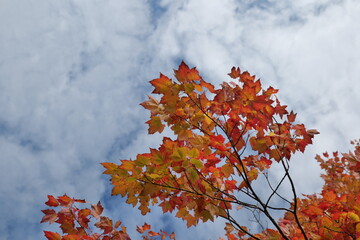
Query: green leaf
x=197, y=163
x=193, y=175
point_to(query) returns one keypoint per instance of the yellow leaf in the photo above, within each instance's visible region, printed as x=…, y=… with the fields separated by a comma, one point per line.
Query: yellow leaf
x=259, y=145
x=198, y=164
x=142, y=160
x=144, y=209
x=227, y=169
x=193, y=153
x=271, y=134
x=132, y=200
x=188, y=87
x=353, y=216
x=153, y=175
x=182, y=213
x=127, y=165
x=110, y=167
x=208, y=120
x=179, y=153
x=119, y=189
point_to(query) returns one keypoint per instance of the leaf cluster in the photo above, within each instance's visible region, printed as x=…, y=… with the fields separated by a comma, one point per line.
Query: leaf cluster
x=88, y=223
x=226, y=139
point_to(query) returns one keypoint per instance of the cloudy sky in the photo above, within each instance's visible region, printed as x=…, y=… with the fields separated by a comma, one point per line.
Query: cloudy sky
x=72, y=73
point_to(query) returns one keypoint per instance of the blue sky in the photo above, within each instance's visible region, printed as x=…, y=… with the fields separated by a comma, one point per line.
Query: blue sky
x=72, y=74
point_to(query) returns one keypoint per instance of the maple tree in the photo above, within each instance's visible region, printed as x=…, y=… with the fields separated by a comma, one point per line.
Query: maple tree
x=226, y=140
x=335, y=212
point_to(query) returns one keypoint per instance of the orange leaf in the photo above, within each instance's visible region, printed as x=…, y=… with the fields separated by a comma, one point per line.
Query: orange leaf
x=105, y=224
x=291, y=116
x=209, y=86
x=65, y=201
x=329, y=196
x=246, y=77
x=117, y=224
x=151, y=233
x=72, y=237
x=185, y=74
x=79, y=200
x=230, y=184
x=52, y=202
x=52, y=235
x=313, y=211
x=143, y=228
x=161, y=84
x=275, y=235
x=198, y=88
x=259, y=145
x=155, y=125
x=235, y=72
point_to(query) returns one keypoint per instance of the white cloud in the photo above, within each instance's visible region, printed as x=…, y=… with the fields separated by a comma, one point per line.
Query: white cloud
x=73, y=72
x=66, y=96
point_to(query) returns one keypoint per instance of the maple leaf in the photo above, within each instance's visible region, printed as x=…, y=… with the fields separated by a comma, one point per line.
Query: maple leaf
x=153, y=105
x=291, y=116
x=246, y=77
x=235, y=72
x=217, y=141
x=50, y=216
x=185, y=74
x=52, y=202
x=143, y=228
x=82, y=217
x=105, y=224
x=161, y=84
x=155, y=125
x=96, y=210
x=65, y=201
x=259, y=145
x=270, y=91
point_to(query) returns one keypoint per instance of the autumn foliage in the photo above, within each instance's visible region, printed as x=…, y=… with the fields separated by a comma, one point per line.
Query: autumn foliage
x=335, y=212
x=226, y=140
x=75, y=222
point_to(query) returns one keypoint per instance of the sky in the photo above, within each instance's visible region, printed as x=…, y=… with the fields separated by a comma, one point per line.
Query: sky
x=72, y=75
